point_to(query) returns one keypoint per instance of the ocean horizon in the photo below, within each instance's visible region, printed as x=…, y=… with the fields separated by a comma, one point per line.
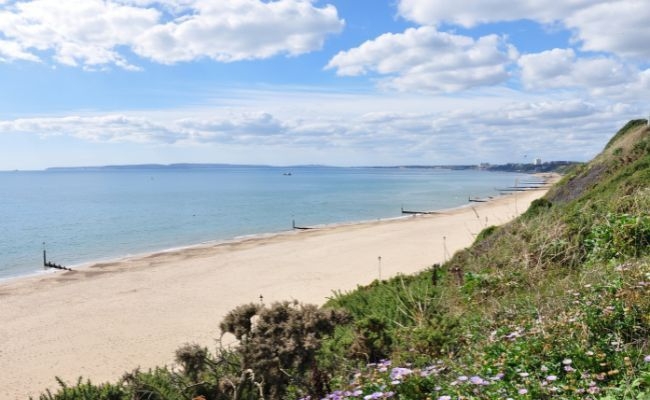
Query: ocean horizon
x=95, y=214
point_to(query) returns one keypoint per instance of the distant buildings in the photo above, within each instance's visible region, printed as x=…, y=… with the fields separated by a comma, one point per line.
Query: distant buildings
x=538, y=161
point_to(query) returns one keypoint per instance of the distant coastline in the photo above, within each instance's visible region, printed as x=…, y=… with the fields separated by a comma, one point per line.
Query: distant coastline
x=529, y=168
x=549, y=166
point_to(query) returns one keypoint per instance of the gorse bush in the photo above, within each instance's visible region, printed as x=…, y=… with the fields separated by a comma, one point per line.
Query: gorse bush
x=280, y=343
x=193, y=359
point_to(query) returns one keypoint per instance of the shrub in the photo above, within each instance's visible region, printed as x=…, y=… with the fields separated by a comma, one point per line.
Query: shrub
x=282, y=343
x=537, y=206
x=86, y=391
x=193, y=358
x=619, y=236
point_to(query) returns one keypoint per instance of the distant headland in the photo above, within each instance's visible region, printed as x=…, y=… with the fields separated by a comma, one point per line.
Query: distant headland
x=535, y=167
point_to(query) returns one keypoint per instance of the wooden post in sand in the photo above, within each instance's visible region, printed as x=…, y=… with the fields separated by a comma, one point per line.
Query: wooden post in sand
x=44, y=256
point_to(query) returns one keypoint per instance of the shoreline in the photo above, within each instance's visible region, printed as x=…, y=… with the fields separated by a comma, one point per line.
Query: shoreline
x=202, y=245
x=237, y=239
x=208, y=244
x=27, y=264
x=107, y=318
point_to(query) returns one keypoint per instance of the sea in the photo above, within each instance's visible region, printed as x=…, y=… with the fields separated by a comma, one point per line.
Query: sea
x=81, y=216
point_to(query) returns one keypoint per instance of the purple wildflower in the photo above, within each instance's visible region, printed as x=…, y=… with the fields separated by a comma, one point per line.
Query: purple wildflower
x=498, y=376
x=477, y=380
x=646, y=359
x=522, y=391
x=593, y=390
x=398, y=373
x=551, y=378
x=444, y=397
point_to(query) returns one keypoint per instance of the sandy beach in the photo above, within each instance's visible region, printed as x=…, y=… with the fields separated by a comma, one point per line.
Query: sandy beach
x=109, y=318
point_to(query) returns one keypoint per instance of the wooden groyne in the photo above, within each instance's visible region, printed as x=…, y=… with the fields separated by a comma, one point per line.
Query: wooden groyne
x=302, y=228
x=56, y=266
x=49, y=264
x=418, y=212
x=522, y=188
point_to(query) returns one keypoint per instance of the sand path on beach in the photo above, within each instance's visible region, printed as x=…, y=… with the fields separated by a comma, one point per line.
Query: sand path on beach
x=106, y=319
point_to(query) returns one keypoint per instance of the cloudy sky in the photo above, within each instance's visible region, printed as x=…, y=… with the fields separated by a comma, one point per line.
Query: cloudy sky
x=338, y=82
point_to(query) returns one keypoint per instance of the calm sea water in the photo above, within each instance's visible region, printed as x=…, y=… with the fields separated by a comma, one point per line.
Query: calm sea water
x=94, y=215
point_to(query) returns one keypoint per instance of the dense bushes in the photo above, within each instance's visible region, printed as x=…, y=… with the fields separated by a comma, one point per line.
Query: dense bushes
x=619, y=236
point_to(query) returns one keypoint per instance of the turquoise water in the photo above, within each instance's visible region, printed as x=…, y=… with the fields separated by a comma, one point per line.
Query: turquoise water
x=93, y=215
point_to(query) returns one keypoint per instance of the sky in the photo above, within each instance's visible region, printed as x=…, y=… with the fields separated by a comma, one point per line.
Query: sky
x=335, y=82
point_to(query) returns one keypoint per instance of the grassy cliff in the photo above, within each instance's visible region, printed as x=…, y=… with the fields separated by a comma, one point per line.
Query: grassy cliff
x=555, y=304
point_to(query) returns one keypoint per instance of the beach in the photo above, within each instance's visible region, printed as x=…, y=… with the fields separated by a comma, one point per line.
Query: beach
x=103, y=320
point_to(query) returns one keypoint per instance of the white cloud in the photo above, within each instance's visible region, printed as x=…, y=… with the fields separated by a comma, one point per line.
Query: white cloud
x=10, y=51
x=426, y=59
x=239, y=30
x=558, y=129
x=472, y=12
x=562, y=68
x=620, y=27
x=102, y=128
x=227, y=128
x=77, y=32
x=96, y=33
x=544, y=69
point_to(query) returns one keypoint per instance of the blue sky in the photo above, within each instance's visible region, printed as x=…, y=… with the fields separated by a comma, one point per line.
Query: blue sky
x=346, y=82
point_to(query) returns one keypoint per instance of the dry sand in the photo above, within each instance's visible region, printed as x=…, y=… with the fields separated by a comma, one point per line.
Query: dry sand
x=109, y=318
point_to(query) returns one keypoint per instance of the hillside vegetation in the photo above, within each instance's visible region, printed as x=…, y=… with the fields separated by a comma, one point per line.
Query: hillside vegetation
x=555, y=304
